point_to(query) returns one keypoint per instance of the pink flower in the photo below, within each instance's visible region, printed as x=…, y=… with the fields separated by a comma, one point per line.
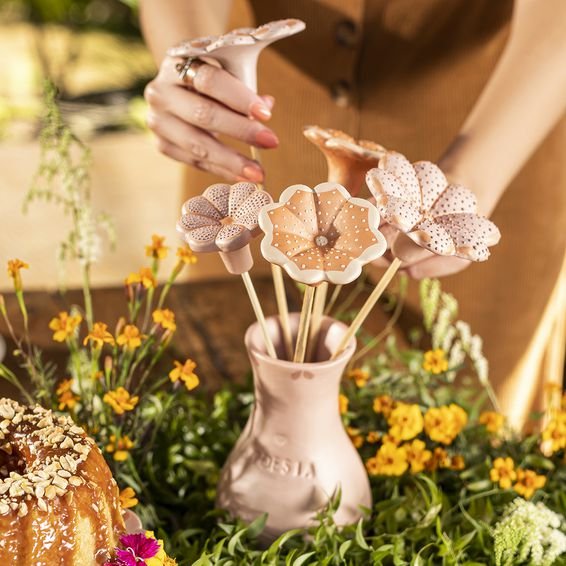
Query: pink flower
x=418, y=200
x=136, y=549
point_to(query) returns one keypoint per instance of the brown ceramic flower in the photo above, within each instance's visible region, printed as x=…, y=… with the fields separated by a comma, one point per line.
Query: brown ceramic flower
x=224, y=219
x=418, y=200
x=348, y=159
x=321, y=234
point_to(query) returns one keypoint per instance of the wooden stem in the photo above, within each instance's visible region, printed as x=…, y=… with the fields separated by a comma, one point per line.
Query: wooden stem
x=368, y=306
x=333, y=299
x=316, y=321
x=304, y=321
x=258, y=313
x=283, y=308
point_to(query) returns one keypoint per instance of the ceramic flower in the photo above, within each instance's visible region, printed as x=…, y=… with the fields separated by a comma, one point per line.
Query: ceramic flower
x=441, y=217
x=223, y=219
x=321, y=234
x=238, y=50
x=348, y=159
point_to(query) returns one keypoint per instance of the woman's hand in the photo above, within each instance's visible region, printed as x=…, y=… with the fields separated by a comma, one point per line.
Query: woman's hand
x=186, y=119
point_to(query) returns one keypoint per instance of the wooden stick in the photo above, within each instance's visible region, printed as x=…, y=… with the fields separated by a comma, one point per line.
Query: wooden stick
x=304, y=321
x=333, y=299
x=283, y=308
x=316, y=321
x=368, y=306
x=258, y=313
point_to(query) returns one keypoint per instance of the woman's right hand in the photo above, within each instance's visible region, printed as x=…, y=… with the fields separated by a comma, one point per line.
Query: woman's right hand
x=186, y=119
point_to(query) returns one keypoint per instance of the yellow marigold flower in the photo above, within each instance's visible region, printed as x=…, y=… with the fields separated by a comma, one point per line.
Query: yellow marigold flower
x=186, y=373
x=99, y=335
x=443, y=424
x=14, y=267
x=64, y=325
x=417, y=455
x=186, y=255
x=355, y=436
x=161, y=558
x=165, y=318
x=391, y=460
x=528, y=482
x=492, y=421
x=435, y=361
x=503, y=472
x=143, y=277
x=156, y=249
x=119, y=447
x=128, y=498
x=359, y=375
x=440, y=459
x=373, y=436
x=372, y=466
x=554, y=434
x=130, y=338
x=405, y=421
x=343, y=404
x=383, y=404
x=66, y=398
x=120, y=400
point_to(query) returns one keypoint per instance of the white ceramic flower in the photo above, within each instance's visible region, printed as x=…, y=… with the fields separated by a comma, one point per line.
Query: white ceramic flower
x=321, y=234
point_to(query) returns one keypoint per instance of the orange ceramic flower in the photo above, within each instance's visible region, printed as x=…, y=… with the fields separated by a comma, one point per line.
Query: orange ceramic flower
x=417, y=200
x=348, y=159
x=321, y=234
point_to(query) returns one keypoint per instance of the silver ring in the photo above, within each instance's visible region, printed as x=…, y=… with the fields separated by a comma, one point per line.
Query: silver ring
x=187, y=69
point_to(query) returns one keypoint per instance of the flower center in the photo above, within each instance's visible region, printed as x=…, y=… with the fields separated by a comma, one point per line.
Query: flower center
x=226, y=221
x=321, y=241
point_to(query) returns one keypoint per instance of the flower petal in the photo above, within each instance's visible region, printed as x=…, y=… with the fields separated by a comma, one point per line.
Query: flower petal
x=201, y=206
x=456, y=198
x=233, y=237
x=400, y=213
x=402, y=169
x=328, y=205
x=353, y=234
x=431, y=180
x=247, y=213
x=202, y=239
x=218, y=195
x=302, y=205
x=238, y=195
x=189, y=222
x=383, y=184
x=429, y=235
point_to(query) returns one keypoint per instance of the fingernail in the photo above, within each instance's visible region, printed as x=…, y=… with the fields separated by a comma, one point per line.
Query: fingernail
x=253, y=173
x=269, y=101
x=267, y=138
x=260, y=111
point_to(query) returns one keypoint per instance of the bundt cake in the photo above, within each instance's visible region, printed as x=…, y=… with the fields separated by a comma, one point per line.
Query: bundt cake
x=59, y=504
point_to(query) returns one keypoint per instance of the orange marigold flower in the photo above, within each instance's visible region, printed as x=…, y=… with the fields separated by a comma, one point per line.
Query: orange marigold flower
x=373, y=436
x=440, y=459
x=435, y=361
x=143, y=277
x=405, y=421
x=492, y=421
x=343, y=404
x=503, y=472
x=443, y=424
x=64, y=325
x=390, y=460
x=528, y=482
x=156, y=249
x=417, y=455
x=120, y=400
x=165, y=318
x=186, y=373
x=66, y=398
x=383, y=404
x=359, y=376
x=186, y=255
x=355, y=436
x=128, y=498
x=119, y=447
x=130, y=338
x=14, y=267
x=99, y=335
x=457, y=462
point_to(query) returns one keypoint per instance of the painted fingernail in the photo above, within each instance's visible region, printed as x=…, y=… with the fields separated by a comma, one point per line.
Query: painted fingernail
x=260, y=111
x=253, y=173
x=269, y=101
x=267, y=138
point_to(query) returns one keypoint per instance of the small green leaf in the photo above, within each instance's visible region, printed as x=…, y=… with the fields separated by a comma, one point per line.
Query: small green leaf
x=360, y=540
x=303, y=559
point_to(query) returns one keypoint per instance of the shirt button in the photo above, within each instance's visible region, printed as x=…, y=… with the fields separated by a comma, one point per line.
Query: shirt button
x=347, y=33
x=341, y=93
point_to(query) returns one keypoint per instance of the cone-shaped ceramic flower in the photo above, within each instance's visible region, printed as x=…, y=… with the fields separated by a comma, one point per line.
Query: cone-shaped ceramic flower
x=441, y=217
x=224, y=219
x=321, y=234
x=348, y=159
x=238, y=51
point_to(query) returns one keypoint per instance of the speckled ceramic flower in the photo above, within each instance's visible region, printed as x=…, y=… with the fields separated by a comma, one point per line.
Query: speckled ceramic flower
x=348, y=159
x=321, y=234
x=441, y=217
x=238, y=50
x=223, y=219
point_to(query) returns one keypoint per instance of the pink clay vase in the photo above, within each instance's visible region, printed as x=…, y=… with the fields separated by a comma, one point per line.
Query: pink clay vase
x=294, y=453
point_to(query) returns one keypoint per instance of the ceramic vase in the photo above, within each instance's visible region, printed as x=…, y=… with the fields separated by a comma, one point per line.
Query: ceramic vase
x=294, y=452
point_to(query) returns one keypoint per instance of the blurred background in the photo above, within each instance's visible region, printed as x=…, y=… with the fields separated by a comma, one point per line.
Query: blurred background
x=92, y=51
